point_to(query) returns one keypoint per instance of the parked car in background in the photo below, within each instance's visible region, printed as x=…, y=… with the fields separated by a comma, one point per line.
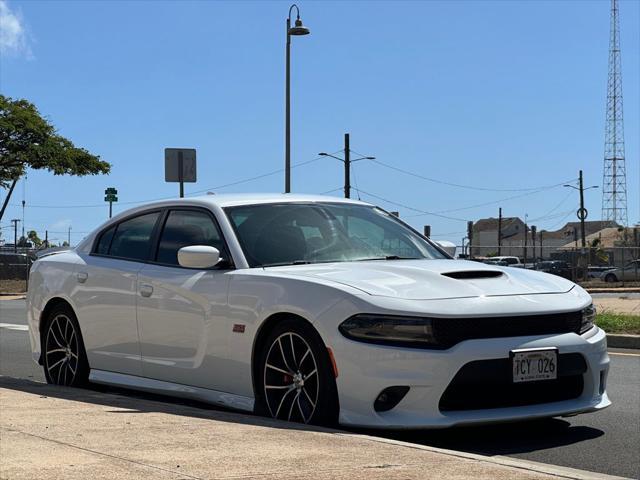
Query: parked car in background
x=555, y=267
x=630, y=272
x=598, y=272
x=508, y=260
x=491, y=261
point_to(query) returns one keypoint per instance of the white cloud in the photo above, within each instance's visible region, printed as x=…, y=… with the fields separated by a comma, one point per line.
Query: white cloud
x=14, y=39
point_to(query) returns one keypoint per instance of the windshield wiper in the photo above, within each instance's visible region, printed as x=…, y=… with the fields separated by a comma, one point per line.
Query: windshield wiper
x=388, y=257
x=295, y=262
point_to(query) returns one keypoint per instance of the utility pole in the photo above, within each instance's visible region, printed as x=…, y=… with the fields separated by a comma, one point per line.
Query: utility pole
x=69, y=236
x=15, y=234
x=541, y=254
x=23, y=204
x=470, y=238
x=582, y=216
x=533, y=242
x=499, y=231
x=582, y=213
x=526, y=231
x=347, y=167
x=46, y=238
x=427, y=231
x=347, y=160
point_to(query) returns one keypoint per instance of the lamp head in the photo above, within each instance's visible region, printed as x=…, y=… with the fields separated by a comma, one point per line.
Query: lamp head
x=298, y=29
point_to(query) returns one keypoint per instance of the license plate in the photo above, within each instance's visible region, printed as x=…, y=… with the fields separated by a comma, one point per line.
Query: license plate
x=536, y=364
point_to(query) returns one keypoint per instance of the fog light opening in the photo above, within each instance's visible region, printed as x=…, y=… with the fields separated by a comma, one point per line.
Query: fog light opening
x=603, y=381
x=389, y=398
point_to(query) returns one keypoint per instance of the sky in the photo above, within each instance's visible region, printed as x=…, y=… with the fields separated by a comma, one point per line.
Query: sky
x=498, y=103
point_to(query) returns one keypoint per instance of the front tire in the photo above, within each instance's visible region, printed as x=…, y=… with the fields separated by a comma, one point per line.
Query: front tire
x=610, y=278
x=295, y=378
x=64, y=356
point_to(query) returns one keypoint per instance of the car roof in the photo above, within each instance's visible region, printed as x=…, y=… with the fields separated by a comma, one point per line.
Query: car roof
x=237, y=199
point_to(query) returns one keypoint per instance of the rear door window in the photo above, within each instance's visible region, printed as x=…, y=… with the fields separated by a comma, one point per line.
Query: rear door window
x=132, y=238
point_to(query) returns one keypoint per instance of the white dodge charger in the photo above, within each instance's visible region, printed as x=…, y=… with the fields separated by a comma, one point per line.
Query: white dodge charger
x=312, y=309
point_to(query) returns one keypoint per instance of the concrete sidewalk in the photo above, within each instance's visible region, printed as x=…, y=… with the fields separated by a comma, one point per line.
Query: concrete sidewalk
x=51, y=433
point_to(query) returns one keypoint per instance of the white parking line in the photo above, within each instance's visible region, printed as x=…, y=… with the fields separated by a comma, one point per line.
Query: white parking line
x=14, y=326
x=625, y=354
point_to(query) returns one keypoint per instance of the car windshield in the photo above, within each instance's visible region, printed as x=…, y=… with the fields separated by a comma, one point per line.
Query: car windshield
x=300, y=233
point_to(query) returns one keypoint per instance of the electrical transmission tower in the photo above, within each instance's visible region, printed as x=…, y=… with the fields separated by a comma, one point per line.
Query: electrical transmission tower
x=614, y=181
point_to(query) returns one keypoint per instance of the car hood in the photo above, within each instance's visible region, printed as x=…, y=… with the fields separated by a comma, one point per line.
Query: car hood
x=431, y=279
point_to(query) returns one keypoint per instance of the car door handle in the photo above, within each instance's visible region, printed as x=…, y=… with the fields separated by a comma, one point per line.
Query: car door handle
x=146, y=290
x=82, y=277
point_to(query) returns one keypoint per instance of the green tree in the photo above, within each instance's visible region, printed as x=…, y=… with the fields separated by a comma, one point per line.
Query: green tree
x=27, y=140
x=32, y=235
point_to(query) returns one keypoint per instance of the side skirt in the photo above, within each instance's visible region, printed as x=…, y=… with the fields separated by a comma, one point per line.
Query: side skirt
x=133, y=382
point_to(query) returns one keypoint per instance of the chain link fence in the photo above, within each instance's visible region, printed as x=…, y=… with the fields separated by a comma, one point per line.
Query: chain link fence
x=590, y=266
x=14, y=268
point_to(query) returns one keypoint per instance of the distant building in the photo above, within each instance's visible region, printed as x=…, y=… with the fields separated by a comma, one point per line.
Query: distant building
x=615, y=245
x=485, y=237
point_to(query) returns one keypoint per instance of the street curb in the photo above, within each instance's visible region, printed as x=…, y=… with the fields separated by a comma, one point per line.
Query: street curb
x=537, y=467
x=12, y=296
x=525, y=465
x=621, y=290
x=623, y=340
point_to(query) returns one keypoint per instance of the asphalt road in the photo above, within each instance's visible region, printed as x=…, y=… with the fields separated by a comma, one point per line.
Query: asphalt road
x=606, y=442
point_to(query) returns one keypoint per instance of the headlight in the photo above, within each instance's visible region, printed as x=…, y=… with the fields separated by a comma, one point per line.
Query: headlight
x=588, y=317
x=389, y=330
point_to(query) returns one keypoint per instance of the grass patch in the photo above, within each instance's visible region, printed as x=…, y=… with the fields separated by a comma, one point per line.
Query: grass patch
x=619, y=323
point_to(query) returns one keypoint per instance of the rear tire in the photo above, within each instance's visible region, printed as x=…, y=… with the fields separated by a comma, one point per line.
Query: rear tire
x=610, y=278
x=64, y=356
x=295, y=380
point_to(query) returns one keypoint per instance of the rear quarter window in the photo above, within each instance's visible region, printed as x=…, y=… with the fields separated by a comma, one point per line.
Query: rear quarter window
x=105, y=241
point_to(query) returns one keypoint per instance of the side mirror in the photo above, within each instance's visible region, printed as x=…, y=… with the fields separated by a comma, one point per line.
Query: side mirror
x=198, y=256
x=448, y=247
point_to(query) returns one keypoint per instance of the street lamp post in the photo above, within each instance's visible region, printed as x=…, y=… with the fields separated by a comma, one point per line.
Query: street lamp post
x=297, y=30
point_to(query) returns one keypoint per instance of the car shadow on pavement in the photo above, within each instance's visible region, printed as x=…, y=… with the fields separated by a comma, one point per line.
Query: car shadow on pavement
x=129, y=401
x=498, y=439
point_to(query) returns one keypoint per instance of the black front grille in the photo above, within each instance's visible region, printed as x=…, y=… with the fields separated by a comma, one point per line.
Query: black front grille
x=486, y=384
x=449, y=331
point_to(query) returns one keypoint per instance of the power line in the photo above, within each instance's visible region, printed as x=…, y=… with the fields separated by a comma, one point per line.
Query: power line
x=554, y=208
x=468, y=187
x=561, y=221
x=422, y=212
x=449, y=234
x=493, y=202
x=257, y=177
x=331, y=191
x=219, y=187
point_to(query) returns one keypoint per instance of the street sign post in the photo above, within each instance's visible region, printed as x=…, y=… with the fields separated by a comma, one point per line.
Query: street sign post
x=180, y=166
x=110, y=195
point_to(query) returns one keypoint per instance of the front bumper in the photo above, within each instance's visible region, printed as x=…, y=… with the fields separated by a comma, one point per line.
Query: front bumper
x=365, y=370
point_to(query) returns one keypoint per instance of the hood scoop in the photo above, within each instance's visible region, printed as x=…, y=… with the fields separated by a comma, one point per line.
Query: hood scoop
x=473, y=274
